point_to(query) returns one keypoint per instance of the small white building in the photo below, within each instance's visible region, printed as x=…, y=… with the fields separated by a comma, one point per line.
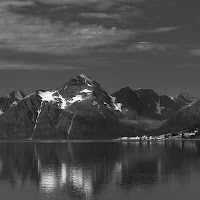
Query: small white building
x=144, y=137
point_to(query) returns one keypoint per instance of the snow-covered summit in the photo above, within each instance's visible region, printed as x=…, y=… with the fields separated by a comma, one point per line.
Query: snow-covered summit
x=79, y=89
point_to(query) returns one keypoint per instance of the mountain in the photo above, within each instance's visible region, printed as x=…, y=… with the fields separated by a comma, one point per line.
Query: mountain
x=10, y=100
x=79, y=109
x=82, y=109
x=184, y=99
x=146, y=103
x=184, y=118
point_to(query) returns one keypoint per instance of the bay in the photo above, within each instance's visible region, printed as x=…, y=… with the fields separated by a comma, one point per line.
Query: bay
x=102, y=170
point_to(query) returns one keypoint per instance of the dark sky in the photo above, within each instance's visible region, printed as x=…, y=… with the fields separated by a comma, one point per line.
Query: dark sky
x=136, y=43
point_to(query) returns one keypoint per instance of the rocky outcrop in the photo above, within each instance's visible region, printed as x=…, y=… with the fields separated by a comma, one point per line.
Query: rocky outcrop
x=10, y=100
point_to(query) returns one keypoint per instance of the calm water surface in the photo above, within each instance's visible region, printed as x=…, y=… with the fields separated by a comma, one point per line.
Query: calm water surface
x=100, y=170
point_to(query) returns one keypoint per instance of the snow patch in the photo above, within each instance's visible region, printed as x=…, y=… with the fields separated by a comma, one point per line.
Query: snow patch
x=113, y=99
x=36, y=121
x=76, y=98
x=117, y=106
x=65, y=87
x=53, y=97
x=56, y=97
x=71, y=124
x=28, y=96
x=159, y=108
x=86, y=91
x=108, y=106
x=94, y=103
x=13, y=104
x=89, y=85
x=62, y=103
x=1, y=112
x=47, y=96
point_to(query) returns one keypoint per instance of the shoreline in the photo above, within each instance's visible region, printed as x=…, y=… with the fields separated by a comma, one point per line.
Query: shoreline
x=88, y=141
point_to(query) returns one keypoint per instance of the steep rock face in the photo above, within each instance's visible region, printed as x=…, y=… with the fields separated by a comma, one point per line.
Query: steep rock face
x=18, y=121
x=184, y=99
x=131, y=104
x=80, y=109
x=150, y=102
x=10, y=100
x=168, y=106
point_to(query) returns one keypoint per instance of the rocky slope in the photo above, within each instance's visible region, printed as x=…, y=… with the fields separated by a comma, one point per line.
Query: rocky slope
x=10, y=100
x=184, y=118
x=184, y=99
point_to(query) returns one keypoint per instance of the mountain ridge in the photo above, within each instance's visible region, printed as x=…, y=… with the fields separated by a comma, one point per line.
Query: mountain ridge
x=82, y=109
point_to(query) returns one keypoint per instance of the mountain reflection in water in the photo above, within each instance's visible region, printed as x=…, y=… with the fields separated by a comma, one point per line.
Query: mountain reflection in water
x=100, y=170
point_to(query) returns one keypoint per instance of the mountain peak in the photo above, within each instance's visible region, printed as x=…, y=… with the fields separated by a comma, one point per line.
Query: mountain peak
x=127, y=89
x=184, y=98
x=86, y=78
x=19, y=95
x=10, y=100
x=146, y=92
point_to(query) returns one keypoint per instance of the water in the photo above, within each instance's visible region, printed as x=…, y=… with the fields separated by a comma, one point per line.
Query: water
x=100, y=170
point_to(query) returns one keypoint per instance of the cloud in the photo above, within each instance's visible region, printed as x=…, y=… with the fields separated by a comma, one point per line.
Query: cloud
x=148, y=46
x=101, y=15
x=35, y=34
x=188, y=65
x=165, y=29
x=194, y=52
x=120, y=13
x=141, y=47
x=100, y=4
x=16, y=3
x=28, y=66
x=35, y=61
x=161, y=29
x=63, y=2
